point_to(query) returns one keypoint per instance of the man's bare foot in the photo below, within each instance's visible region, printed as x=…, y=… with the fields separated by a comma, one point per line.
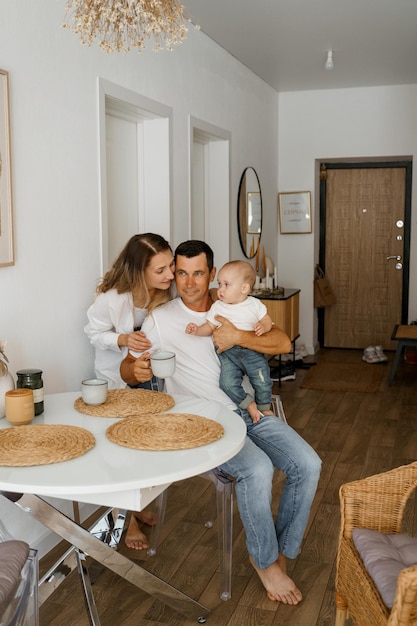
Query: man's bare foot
x=279, y=587
x=282, y=562
x=135, y=538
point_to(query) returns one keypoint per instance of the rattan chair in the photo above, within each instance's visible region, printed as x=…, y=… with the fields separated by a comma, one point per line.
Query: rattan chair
x=377, y=502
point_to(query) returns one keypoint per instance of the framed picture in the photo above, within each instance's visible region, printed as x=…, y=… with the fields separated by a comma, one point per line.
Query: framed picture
x=294, y=212
x=6, y=209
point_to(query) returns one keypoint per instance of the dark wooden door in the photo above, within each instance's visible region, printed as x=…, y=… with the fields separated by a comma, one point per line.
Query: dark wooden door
x=366, y=249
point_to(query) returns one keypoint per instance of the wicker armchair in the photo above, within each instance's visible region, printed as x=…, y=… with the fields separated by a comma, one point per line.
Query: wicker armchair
x=377, y=503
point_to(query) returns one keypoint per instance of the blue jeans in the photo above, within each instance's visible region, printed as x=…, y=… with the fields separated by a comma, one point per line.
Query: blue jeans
x=154, y=384
x=272, y=443
x=237, y=362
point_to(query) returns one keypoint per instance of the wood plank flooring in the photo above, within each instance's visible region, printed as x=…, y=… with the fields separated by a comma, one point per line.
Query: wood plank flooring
x=355, y=434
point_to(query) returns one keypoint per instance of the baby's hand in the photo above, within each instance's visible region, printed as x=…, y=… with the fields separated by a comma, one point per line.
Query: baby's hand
x=191, y=329
x=259, y=329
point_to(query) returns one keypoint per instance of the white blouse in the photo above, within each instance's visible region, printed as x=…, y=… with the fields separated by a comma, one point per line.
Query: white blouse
x=111, y=315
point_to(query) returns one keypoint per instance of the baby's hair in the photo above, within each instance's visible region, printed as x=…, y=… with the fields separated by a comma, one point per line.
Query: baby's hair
x=244, y=268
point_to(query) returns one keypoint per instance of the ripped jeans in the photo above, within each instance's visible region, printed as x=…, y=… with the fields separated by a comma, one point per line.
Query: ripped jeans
x=273, y=443
x=237, y=362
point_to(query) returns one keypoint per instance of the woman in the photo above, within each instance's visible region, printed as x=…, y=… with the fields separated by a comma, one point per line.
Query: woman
x=139, y=280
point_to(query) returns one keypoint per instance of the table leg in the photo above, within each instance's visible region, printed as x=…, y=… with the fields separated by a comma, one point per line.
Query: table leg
x=398, y=352
x=69, y=530
x=90, y=603
x=105, y=525
x=83, y=570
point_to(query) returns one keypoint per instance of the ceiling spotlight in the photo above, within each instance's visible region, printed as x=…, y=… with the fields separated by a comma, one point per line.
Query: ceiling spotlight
x=329, y=65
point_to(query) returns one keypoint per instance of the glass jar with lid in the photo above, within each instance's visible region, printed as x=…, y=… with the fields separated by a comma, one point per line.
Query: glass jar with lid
x=32, y=379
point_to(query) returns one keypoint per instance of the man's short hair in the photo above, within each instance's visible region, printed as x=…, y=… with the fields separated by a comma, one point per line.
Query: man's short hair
x=195, y=247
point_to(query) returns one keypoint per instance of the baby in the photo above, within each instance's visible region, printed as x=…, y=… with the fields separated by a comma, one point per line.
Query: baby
x=236, y=280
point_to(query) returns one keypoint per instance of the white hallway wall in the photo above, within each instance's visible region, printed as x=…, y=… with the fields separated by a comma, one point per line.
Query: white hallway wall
x=53, y=83
x=344, y=123
x=54, y=118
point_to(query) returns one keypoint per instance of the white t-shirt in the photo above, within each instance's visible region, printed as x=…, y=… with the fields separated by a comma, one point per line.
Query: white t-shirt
x=197, y=366
x=243, y=315
x=110, y=315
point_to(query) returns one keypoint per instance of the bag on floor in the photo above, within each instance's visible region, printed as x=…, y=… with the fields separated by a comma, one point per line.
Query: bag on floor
x=323, y=293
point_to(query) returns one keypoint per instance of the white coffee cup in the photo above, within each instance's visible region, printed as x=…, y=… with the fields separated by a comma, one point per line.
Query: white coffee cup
x=94, y=390
x=163, y=364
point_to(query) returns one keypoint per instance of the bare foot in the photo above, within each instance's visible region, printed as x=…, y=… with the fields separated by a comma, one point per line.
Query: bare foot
x=135, y=538
x=279, y=587
x=282, y=562
x=146, y=517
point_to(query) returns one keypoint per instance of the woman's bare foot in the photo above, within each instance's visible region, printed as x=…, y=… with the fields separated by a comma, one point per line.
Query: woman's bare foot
x=135, y=538
x=279, y=587
x=146, y=517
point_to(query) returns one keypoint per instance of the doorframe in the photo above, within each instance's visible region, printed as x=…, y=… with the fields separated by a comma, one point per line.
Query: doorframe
x=153, y=121
x=405, y=163
x=209, y=186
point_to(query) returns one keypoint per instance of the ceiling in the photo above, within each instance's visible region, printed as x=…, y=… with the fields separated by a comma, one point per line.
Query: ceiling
x=285, y=42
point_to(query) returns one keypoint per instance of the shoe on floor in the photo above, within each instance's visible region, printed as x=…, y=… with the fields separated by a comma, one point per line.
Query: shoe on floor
x=370, y=355
x=380, y=354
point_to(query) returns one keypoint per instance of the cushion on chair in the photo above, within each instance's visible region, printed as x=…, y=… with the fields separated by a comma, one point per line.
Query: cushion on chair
x=384, y=556
x=13, y=555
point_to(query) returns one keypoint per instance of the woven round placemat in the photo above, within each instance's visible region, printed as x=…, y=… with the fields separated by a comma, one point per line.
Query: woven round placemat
x=165, y=431
x=41, y=444
x=127, y=402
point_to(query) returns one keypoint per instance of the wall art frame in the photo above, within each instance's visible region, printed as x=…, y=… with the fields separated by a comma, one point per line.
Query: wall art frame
x=294, y=212
x=6, y=204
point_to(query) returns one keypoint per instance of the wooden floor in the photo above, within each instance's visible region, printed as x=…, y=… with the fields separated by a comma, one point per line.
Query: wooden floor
x=355, y=434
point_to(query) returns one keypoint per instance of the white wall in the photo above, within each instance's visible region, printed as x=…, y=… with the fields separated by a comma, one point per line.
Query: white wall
x=54, y=116
x=55, y=161
x=344, y=123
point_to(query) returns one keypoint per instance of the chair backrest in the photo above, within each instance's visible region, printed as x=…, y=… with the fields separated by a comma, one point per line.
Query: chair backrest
x=377, y=502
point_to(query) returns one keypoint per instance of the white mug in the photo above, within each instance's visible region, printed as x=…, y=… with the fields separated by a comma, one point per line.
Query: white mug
x=94, y=390
x=163, y=364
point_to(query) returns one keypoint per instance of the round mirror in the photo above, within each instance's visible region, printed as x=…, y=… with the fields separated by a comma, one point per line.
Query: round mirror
x=249, y=212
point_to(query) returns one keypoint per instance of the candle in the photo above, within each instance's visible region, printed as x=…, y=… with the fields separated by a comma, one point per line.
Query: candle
x=267, y=278
x=275, y=277
x=257, y=258
x=264, y=260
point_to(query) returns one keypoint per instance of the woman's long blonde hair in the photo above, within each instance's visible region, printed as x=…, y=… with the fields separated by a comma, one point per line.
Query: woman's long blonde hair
x=127, y=274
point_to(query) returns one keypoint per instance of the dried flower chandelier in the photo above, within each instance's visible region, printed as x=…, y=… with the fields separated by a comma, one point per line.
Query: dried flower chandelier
x=122, y=24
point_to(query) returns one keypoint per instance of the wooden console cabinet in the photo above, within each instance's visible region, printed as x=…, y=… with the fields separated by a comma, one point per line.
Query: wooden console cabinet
x=284, y=310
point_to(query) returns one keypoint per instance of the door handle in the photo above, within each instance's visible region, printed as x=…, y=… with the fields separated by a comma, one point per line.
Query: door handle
x=397, y=257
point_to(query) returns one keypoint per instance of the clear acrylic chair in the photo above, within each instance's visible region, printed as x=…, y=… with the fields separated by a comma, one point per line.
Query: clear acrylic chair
x=18, y=582
x=223, y=508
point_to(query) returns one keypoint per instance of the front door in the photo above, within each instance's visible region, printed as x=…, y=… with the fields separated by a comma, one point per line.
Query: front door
x=365, y=217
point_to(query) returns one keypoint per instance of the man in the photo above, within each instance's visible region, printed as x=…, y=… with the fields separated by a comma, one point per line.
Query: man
x=270, y=442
